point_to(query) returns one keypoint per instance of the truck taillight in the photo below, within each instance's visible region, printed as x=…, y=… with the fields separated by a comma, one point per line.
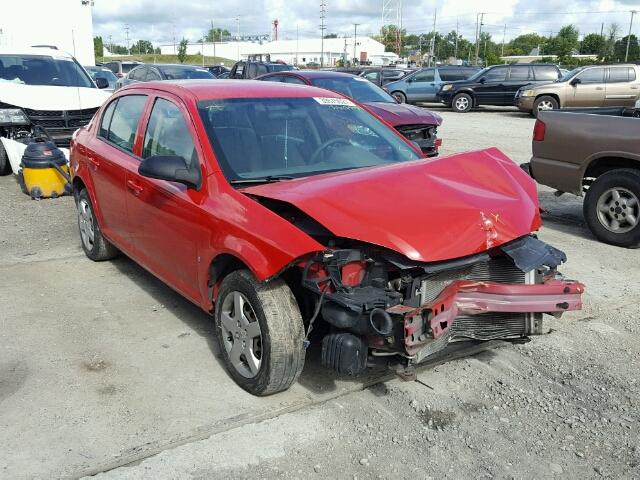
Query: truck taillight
x=539, y=130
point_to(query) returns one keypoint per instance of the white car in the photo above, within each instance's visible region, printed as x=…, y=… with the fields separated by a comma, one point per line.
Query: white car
x=42, y=87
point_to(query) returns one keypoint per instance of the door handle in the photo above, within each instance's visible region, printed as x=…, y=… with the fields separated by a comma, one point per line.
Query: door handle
x=134, y=187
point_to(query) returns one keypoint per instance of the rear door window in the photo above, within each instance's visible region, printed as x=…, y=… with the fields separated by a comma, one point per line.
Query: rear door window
x=253, y=70
x=262, y=69
x=545, y=72
x=124, y=121
x=592, y=75
x=294, y=80
x=621, y=74
x=167, y=133
x=520, y=73
x=451, y=75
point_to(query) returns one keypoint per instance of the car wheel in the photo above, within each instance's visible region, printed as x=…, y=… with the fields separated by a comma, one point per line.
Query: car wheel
x=612, y=208
x=400, y=97
x=462, y=103
x=5, y=166
x=260, y=333
x=95, y=246
x=544, y=104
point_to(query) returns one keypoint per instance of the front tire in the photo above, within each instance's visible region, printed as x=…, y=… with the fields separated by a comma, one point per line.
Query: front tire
x=95, y=246
x=462, y=103
x=612, y=208
x=5, y=165
x=260, y=333
x=544, y=103
x=400, y=97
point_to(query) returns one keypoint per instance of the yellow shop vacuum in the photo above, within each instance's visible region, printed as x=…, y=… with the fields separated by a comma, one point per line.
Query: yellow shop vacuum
x=44, y=173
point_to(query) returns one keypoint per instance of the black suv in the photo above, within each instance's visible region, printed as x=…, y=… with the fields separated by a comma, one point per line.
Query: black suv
x=495, y=85
x=247, y=69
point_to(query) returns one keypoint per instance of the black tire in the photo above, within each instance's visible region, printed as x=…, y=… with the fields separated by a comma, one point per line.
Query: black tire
x=99, y=248
x=600, y=199
x=462, y=103
x=281, y=333
x=399, y=96
x=543, y=104
x=5, y=166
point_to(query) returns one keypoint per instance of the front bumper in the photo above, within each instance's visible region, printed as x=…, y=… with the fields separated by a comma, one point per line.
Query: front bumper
x=524, y=104
x=445, y=97
x=446, y=319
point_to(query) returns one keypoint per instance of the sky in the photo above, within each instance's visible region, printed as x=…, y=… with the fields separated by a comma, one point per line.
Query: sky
x=163, y=20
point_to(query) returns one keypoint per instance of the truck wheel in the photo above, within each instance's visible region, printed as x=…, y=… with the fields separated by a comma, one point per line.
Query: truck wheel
x=95, y=246
x=400, y=97
x=260, y=333
x=544, y=104
x=612, y=208
x=5, y=166
x=462, y=103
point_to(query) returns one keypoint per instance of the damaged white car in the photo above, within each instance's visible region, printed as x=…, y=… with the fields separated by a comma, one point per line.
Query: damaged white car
x=43, y=92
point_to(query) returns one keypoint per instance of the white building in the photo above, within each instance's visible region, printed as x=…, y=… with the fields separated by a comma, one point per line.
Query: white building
x=66, y=24
x=302, y=51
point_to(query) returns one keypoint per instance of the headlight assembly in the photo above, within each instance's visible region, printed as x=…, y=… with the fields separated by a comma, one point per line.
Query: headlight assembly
x=528, y=93
x=446, y=88
x=13, y=116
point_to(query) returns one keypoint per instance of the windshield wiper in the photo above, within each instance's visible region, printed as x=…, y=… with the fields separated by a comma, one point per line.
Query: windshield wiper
x=267, y=179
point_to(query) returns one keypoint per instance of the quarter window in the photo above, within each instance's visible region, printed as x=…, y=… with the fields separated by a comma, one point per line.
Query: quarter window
x=124, y=121
x=167, y=133
x=544, y=72
x=621, y=74
x=106, y=119
x=520, y=73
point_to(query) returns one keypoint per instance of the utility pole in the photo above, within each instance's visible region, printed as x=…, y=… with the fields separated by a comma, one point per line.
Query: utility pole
x=455, y=50
x=504, y=36
x=213, y=39
x=433, y=40
x=126, y=36
x=400, y=27
x=479, y=20
x=355, y=41
x=626, y=55
x=110, y=44
x=173, y=33
x=323, y=11
x=238, y=35
x=297, y=37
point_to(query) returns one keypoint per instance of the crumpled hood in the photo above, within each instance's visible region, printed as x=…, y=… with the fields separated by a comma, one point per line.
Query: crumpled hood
x=428, y=210
x=45, y=97
x=403, y=114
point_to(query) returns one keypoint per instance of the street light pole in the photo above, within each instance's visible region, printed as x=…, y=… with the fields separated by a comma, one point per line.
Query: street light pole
x=355, y=40
x=479, y=20
x=626, y=55
x=238, y=35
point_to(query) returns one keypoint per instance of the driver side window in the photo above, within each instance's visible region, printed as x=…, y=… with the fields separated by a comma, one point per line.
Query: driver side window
x=425, y=76
x=167, y=133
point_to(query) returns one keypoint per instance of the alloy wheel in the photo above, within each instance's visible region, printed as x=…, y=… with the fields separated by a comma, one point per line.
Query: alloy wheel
x=545, y=105
x=462, y=103
x=618, y=210
x=85, y=220
x=241, y=334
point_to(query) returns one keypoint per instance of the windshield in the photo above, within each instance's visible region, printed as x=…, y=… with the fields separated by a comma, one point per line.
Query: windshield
x=101, y=73
x=570, y=74
x=266, y=138
x=181, y=73
x=360, y=89
x=43, y=70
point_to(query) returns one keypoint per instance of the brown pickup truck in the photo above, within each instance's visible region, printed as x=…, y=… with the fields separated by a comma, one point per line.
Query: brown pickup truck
x=595, y=152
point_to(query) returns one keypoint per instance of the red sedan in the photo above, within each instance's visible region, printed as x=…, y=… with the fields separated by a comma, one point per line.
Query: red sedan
x=282, y=209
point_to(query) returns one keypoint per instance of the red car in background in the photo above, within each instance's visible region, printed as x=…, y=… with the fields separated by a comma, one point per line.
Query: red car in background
x=415, y=123
x=282, y=209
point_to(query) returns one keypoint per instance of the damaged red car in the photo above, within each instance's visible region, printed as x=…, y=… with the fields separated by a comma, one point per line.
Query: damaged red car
x=294, y=216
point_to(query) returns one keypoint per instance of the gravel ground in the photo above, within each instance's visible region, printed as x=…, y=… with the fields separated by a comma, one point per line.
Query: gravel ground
x=561, y=406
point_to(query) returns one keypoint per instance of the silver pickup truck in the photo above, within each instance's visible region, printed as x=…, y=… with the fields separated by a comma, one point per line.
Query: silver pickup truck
x=594, y=152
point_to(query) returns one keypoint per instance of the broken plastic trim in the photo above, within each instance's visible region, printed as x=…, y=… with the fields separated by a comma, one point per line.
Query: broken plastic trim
x=528, y=253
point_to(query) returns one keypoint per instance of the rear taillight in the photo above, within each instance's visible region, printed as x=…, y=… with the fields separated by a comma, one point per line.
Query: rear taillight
x=539, y=129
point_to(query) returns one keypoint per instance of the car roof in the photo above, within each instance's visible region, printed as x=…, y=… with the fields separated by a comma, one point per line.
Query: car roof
x=213, y=89
x=310, y=74
x=46, y=51
x=175, y=65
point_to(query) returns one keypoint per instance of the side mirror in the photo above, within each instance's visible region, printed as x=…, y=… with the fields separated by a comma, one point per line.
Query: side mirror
x=409, y=80
x=102, y=82
x=575, y=82
x=171, y=168
x=482, y=80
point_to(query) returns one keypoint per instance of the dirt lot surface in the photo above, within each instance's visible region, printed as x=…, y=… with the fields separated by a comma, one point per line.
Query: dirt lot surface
x=105, y=369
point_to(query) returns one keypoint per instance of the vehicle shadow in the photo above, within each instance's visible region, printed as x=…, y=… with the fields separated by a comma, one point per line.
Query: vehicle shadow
x=314, y=377
x=563, y=214
x=503, y=111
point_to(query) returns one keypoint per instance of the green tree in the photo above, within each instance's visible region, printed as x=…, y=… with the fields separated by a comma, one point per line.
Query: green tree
x=216, y=35
x=182, y=50
x=564, y=43
x=523, y=44
x=142, y=47
x=620, y=49
x=593, y=44
x=98, y=47
x=331, y=35
x=389, y=35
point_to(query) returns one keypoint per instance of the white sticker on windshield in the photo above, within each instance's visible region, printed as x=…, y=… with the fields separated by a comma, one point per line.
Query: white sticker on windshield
x=335, y=102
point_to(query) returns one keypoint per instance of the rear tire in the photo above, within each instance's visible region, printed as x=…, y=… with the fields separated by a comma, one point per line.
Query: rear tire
x=544, y=103
x=5, y=165
x=260, y=333
x=400, y=97
x=95, y=246
x=462, y=103
x=612, y=208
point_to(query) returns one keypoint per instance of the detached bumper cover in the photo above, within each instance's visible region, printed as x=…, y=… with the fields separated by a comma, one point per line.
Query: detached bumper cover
x=464, y=298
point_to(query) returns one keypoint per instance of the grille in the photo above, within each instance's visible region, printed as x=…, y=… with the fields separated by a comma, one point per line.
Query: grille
x=60, y=124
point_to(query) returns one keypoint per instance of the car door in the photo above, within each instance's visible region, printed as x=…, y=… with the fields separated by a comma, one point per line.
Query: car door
x=621, y=89
x=422, y=86
x=588, y=88
x=491, y=87
x=109, y=154
x=519, y=76
x=167, y=223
